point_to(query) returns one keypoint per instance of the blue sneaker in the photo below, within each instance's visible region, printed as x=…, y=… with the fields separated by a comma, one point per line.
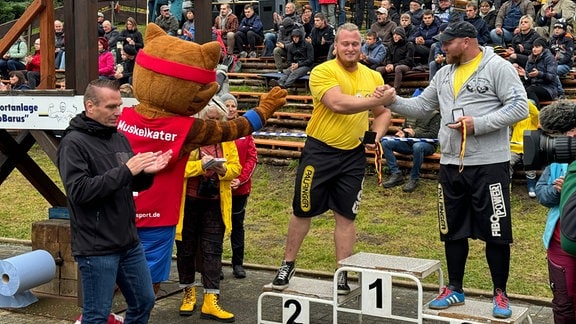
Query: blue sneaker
x=447, y=298
x=501, y=305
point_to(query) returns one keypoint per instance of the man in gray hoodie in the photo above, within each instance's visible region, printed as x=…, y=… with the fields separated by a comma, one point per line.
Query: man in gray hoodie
x=479, y=96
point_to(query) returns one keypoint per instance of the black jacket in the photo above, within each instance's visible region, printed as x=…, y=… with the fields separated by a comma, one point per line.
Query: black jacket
x=301, y=53
x=321, y=50
x=99, y=186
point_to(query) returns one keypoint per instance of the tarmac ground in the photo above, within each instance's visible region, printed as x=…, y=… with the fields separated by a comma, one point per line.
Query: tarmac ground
x=241, y=297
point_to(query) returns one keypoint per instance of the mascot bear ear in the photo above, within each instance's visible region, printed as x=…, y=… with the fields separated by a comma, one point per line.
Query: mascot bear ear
x=211, y=54
x=153, y=31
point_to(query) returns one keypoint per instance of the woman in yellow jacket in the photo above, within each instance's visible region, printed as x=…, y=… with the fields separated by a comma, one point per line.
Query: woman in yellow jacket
x=207, y=217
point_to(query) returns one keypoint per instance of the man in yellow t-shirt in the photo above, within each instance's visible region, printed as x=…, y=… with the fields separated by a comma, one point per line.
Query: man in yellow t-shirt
x=331, y=170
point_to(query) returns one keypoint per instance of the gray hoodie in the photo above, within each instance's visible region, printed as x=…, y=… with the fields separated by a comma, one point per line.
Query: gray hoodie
x=494, y=96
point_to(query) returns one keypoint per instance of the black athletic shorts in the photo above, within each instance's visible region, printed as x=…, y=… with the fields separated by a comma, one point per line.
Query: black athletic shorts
x=475, y=203
x=328, y=178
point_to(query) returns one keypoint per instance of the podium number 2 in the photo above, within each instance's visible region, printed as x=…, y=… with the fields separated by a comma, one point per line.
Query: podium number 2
x=295, y=311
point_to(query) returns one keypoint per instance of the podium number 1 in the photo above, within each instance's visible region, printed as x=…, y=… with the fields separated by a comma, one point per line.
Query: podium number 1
x=376, y=294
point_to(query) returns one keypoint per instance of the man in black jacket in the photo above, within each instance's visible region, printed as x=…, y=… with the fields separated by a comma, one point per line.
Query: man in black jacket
x=300, y=59
x=100, y=173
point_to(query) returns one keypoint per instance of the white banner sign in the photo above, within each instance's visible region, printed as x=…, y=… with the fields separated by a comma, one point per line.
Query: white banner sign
x=42, y=112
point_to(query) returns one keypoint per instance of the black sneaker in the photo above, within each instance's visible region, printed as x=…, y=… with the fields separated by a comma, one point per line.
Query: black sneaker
x=273, y=83
x=410, y=186
x=343, y=288
x=395, y=179
x=238, y=271
x=283, y=275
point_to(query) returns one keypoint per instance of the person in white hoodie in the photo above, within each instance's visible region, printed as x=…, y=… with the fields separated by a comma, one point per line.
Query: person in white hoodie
x=479, y=95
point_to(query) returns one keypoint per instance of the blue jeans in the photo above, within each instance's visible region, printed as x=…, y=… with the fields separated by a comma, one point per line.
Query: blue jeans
x=269, y=43
x=501, y=40
x=342, y=12
x=176, y=9
x=100, y=274
x=315, y=4
x=418, y=151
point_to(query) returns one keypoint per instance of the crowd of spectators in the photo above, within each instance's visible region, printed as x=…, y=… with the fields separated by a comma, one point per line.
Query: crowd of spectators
x=511, y=27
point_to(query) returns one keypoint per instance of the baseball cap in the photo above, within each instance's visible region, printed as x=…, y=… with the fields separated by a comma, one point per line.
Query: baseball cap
x=100, y=14
x=164, y=7
x=459, y=29
x=382, y=11
x=560, y=23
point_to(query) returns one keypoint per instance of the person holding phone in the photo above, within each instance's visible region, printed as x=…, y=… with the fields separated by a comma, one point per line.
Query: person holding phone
x=474, y=181
x=206, y=219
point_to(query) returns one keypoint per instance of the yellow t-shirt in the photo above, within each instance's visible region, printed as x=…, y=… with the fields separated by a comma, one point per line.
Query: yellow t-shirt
x=339, y=130
x=464, y=71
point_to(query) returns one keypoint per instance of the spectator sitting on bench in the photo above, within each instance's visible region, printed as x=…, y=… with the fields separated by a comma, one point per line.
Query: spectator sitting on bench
x=406, y=23
x=105, y=60
x=400, y=58
x=383, y=26
x=284, y=38
x=521, y=46
x=479, y=23
x=540, y=75
x=562, y=46
x=300, y=60
x=249, y=34
x=131, y=35
x=167, y=21
x=423, y=37
x=33, y=66
x=321, y=38
x=59, y=45
x=307, y=20
x=189, y=27
x=488, y=13
x=227, y=24
x=426, y=127
x=373, y=52
x=125, y=69
x=438, y=56
x=270, y=38
x=14, y=59
x=17, y=82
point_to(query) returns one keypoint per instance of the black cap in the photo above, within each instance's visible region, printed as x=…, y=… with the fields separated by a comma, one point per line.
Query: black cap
x=561, y=23
x=541, y=42
x=296, y=32
x=400, y=31
x=459, y=29
x=129, y=49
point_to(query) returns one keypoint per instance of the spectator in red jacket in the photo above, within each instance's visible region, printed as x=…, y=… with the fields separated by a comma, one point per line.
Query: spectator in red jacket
x=241, y=187
x=33, y=66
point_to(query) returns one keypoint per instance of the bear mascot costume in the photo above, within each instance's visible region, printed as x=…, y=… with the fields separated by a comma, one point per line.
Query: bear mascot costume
x=173, y=80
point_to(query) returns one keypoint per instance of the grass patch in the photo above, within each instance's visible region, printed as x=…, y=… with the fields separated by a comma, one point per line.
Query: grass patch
x=389, y=222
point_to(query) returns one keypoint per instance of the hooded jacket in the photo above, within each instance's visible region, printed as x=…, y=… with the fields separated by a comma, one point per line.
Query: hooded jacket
x=301, y=52
x=99, y=187
x=401, y=52
x=494, y=96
